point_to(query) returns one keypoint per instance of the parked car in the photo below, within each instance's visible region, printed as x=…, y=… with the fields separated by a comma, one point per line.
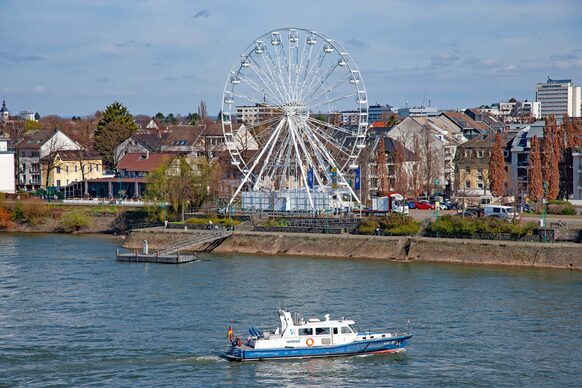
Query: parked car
x=468, y=214
x=424, y=205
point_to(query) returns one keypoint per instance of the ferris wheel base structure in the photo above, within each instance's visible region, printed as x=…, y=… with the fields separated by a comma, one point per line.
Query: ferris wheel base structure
x=297, y=200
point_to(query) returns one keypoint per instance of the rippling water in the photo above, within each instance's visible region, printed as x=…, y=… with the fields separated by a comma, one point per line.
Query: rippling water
x=70, y=315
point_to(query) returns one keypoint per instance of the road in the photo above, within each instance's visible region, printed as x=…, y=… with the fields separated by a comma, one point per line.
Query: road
x=421, y=215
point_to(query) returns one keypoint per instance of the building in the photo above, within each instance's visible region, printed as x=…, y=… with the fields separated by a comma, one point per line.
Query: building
x=466, y=125
x=254, y=114
x=6, y=167
x=558, y=97
x=577, y=174
x=472, y=164
x=139, y=143
x=65, y=167
x=434, y=141
x=4, y=112
x=520, y=149
x=421, y=111
x=379, y=113
x=34, y=146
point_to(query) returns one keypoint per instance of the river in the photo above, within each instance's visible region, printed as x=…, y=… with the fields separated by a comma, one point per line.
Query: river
x=70, y=315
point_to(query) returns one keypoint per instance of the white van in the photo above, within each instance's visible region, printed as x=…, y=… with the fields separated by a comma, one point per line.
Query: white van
x=505, y=212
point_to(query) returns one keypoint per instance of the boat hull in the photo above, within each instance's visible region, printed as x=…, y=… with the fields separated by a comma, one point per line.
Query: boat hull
x=372, y=346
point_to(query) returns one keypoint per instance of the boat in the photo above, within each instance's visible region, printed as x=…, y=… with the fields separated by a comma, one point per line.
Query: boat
x=299, y=338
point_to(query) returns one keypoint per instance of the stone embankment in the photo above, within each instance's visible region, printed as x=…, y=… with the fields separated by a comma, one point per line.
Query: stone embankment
x=530, y=254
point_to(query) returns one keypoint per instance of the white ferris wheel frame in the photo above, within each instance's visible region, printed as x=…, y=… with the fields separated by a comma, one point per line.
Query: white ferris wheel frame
x=296, y=133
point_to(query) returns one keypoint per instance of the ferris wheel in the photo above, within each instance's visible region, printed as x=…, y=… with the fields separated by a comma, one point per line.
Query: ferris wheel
x=288, y=89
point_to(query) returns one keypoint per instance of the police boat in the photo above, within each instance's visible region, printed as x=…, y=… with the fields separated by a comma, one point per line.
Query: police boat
x=300, y=338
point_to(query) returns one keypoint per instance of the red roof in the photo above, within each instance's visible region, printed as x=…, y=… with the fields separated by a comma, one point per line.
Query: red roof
x=144, y=161
x=379, y=124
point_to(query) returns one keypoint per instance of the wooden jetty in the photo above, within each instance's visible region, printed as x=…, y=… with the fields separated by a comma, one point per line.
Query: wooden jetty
x=171, y=254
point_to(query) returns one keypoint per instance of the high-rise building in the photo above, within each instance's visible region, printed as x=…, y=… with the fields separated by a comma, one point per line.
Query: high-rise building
x=558, y=97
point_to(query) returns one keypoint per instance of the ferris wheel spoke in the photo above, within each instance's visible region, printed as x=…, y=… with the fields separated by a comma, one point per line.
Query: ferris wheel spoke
x=342, y=80
x=320, y=160
x=299, y=69
x=313, y=72
x=331, y=126
x=277, y=66
x=252, y=84
x=267, y=84
x=329, y=140
x=279, y=159
x=268, y=157
x=318, y=85
x=299, y=160
x=274, y=77
x=315, y=104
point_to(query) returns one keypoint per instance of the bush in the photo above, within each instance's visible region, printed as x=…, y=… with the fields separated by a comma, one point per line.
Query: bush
x=5, y=218
x=35, y=211
x=215, y=221
x=563, y=208
x=18, y=213
x=399, y=225
x=456, y=225
x=368, y=226
x=74, y=221
x=405, y=230
x=277, y=222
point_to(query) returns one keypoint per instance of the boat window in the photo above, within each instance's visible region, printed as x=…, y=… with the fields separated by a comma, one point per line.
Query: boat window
x=346, y=330
x=308, y=331
x=335, y=330
x=322, y=331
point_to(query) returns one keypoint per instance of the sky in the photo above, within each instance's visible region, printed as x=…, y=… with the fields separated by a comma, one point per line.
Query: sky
x=76, y=57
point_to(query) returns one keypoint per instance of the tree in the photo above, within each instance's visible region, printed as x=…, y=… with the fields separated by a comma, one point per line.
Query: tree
x=160, y=116
x=115, y=125
x=497, y=174
x=170, y=119
x=551, y=151
x=203, y=111
x=193, y=118
x=37, y=116
x=534, y=171
x=381, y=172
x=400, y=175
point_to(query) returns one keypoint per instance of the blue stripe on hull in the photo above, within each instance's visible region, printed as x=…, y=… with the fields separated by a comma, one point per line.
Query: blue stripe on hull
x=354, y=348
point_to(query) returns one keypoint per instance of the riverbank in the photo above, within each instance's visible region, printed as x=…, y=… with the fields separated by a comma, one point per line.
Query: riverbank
x=408, y=249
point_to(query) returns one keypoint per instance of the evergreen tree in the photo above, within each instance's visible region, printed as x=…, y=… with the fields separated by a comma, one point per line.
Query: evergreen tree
x=534, y=171
x=160, y=116
x=116, y=125
x=497, y=173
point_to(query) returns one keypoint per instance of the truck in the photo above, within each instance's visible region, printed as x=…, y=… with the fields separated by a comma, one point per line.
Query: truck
x=393, y=202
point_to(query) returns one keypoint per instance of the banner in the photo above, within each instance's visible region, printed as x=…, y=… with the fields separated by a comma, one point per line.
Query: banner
x=310, y=178
x=357, y=179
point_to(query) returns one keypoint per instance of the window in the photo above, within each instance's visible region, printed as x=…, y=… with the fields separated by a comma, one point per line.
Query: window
x=496, y=210
x=479, y=153
x=467, y=153
x=468, y=169
x=96, y=167
x=346, y=330
x=322, y=331
x=67, y=169
x=58, y=170
x=308, y=331
x=58, y=183
x=335, y=331
x=480, y=185
x=76, y=168
x=467, y=184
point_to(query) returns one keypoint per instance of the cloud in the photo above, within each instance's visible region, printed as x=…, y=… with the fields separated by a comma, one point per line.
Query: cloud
x=202, y=14
x=126, y=43
x=26, y=58
x=443, y=59
x=170, y=78
x=39, y=89
x=101, y=79
x=356, y=43
x=567, y=61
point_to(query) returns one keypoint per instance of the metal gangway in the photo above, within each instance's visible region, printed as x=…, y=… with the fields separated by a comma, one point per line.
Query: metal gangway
x=206, y=238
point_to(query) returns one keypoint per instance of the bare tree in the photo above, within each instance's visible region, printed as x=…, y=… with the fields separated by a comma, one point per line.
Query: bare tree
x=203, y=111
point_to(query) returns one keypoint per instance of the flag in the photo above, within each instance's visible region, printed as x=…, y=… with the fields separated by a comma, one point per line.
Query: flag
x=310, y=178
x=230, y=334
x=357, y=179
x=334, y=178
